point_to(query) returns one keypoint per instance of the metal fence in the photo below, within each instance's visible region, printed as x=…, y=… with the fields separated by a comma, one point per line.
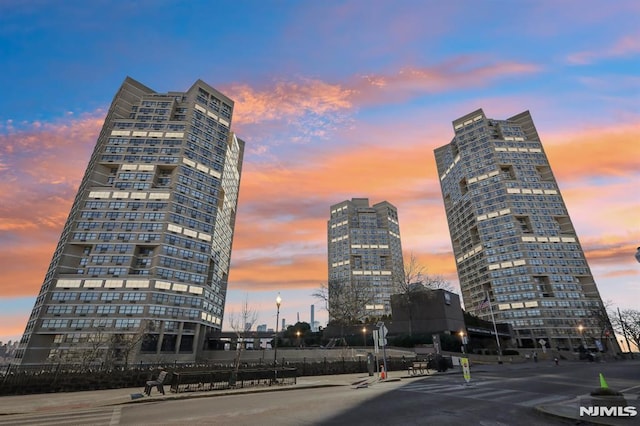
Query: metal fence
x=45, y=378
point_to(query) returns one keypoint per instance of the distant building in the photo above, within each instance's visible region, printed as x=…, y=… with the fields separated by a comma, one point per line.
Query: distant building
x=262, y=327
x=141, y=268
x=512, y=236
x=424, y=311
x=365, y=252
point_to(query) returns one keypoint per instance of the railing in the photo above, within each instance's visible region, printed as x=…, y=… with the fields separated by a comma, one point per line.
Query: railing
x=45, y=378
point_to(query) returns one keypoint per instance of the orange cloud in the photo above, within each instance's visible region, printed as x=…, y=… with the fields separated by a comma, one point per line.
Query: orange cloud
x=43, y=165
x=460, y=73
x=280, y=239
x=12, y=326
x=610, y=151
x=291, y=100
x=287, y=99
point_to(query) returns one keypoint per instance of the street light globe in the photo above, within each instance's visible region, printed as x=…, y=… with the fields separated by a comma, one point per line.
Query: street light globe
x=278, y=300
x=580, y=327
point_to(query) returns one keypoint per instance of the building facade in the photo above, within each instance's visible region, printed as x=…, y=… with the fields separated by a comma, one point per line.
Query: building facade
x=365, y=257
x=424, y=311
x=512, y=236
x=141, y=268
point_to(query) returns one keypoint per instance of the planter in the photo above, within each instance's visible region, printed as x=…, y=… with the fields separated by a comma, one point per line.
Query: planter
x=605, y=397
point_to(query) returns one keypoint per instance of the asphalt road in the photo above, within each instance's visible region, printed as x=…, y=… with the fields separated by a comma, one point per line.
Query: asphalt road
x=493, y=397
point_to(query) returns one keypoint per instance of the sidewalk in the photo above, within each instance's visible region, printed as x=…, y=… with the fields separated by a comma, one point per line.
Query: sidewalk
x=23, y=404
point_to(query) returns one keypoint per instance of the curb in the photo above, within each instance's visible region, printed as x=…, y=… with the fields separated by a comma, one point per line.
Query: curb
x=211, y=394
x=553, y=410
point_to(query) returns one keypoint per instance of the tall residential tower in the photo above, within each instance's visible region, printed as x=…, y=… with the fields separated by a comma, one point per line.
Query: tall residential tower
x=141, y=268
x=512, y=236
x=365, y=254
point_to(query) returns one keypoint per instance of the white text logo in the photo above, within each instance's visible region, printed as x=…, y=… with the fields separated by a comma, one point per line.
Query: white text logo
x=597, y=411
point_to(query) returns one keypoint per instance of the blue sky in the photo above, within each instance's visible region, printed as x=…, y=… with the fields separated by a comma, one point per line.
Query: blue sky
x=320, y=86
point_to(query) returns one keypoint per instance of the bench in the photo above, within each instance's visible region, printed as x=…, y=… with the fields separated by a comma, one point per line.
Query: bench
x=158, y=382
x=418, y=367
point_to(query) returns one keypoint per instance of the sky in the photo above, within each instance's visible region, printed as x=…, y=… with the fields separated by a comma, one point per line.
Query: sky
x=335, y=100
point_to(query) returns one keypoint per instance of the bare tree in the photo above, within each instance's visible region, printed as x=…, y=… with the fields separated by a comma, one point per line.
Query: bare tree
x=345, y=301
x=241, y=323
x=416, y=273
x=121, y=345
x=437, y=282
x=601, y=322
x=628, y=324
x=413, y=274
x=85, y=352
x=416, y=279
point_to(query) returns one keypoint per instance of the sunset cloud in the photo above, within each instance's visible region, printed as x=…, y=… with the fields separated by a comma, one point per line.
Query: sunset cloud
x=459, y=73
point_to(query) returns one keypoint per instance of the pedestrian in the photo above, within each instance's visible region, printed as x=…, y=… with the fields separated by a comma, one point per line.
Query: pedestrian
x=555, y=359
x=535, y=356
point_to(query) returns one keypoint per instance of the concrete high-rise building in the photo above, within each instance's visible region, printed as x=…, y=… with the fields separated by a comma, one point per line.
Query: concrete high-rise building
x=141, y=268
x=365, y=254
x=512, y=236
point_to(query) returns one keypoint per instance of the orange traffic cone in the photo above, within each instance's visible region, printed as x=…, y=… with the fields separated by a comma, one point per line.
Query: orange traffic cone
x=383, y=375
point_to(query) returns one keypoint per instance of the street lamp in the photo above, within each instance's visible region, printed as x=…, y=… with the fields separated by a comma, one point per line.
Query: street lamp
x=581, y=328
x=463, y=340
x=275, y=342
x=364, y=337
x=298, y=337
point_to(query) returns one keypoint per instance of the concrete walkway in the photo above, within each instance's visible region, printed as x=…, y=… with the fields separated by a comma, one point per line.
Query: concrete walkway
x=65, y=401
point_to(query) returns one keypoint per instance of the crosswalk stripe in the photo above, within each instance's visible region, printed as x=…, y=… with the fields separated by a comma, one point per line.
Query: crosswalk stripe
x=94, y=417
x=511, y=396
x=491, y=392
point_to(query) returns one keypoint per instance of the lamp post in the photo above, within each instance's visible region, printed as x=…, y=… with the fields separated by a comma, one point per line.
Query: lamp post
x=364, y=337
x=464, y=343
x=581, y=328
x=275, y=341
x=298, y=338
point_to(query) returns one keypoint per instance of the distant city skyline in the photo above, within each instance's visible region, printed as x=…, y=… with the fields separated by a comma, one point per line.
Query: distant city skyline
x=338, y=100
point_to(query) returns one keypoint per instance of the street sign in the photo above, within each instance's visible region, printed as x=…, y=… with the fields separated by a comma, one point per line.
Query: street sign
x=383, y=331
x=543, y=343
x=436, y=343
